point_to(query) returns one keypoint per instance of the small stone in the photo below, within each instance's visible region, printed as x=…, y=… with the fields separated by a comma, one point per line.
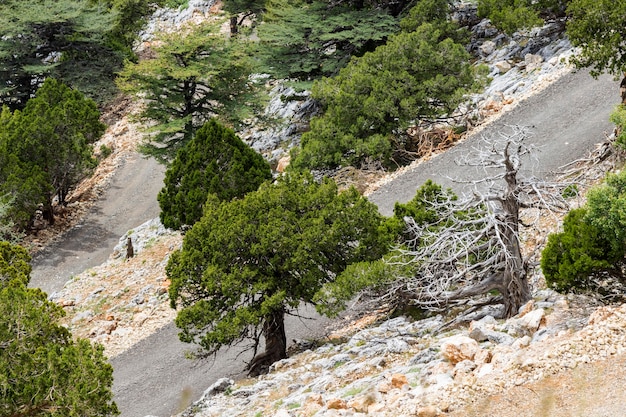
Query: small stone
x=487, y=48
x=502, y=66
x=336, y=404
x=108, y=327
x=398, y=380
x=532, y=62
x=67, y=303
x=482, y=356
x=362, y=403
x=526, y=308
x=458, y=348
x=533, y=320
x=428, y=411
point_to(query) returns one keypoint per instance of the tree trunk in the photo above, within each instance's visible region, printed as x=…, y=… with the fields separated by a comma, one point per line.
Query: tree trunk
x=622, y=89
x=233, y=26
x=515, y=286
x=275, y=344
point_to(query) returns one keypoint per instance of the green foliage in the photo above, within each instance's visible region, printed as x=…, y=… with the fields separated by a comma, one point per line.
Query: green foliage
x=597, y=27
x=307, y=40
x=249, y=259
x=216, y=162
x=192, y=77
x=513, y=15
x=619, y=118
x=606, y=205
x=14, y=264
x=571, y=256
x=47, y=148
x=510, y=15
x=375, y=276
x=8, y=229
x=593, y=238
x=417, y=75
x=43, y=372
x=422, y=209
x=244, y=6
x=66, y=39
x=437, y=13
x=129, y=18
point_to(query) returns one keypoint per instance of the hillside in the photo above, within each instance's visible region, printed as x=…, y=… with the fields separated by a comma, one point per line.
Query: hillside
x=376, y=366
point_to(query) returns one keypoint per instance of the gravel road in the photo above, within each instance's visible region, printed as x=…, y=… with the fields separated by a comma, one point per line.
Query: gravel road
x=565, y=120
x=127, y=202
x=154, y=377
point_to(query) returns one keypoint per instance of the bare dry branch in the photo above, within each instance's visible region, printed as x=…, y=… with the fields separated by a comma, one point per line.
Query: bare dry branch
x=473, y=247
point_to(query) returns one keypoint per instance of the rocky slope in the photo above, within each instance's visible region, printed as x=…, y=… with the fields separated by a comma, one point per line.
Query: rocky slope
x=397, y=366
x=408, y=368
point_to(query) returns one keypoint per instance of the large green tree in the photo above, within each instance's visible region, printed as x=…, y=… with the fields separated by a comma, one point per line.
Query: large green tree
x=67, y=39
x=249, y=262
x=47, y=147
x=216, y=162
x=194, y=75
x=43, y=371
x=597, y=27
x=307, y=40
x=418, y=75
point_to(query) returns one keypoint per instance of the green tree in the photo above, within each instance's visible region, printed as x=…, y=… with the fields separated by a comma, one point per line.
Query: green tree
x=570, y=257
x=66, y=39
x=249, y=262
x=216, y=162
x=14, y=264
x=597, y=27
x=619, y=118
x=242, y=9
x=49, y=147
x=606, y=206
x=193, y=77
x=420, y=75
x=307, y=40
x=593, y=239
x=513, y=15
x=130, y=17
x=43, y=371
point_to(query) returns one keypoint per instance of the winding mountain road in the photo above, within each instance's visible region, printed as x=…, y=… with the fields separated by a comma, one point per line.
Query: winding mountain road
x=154, y=378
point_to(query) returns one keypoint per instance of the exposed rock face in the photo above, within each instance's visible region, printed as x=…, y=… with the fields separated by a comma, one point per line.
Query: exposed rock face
x=287, y=116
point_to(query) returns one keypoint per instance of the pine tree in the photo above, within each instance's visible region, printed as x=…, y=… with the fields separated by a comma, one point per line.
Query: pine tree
x=307, y=40
x=250, y=261
x=193, y=77
x=67, y=39
x=215, y=162
x=43, y=371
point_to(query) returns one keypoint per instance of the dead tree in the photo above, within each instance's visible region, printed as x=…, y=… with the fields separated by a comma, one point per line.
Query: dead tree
x=471, y=256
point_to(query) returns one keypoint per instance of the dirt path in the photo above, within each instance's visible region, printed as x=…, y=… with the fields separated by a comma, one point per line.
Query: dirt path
x=128, y=201
x=566, y=121
x=154, y=377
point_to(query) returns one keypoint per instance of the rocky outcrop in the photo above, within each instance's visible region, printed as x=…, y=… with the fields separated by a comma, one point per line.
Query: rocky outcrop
x=284, y=120
x=406, y=368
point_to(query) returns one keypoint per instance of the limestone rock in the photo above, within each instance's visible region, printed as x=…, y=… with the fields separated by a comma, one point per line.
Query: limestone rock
x=532, y=62
x=502, y=66
x=398, y=380
x=218, y=386
x=487, y=48
x=336, y=404
x=533, y=320
x=458, y=348
x=428, y=411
